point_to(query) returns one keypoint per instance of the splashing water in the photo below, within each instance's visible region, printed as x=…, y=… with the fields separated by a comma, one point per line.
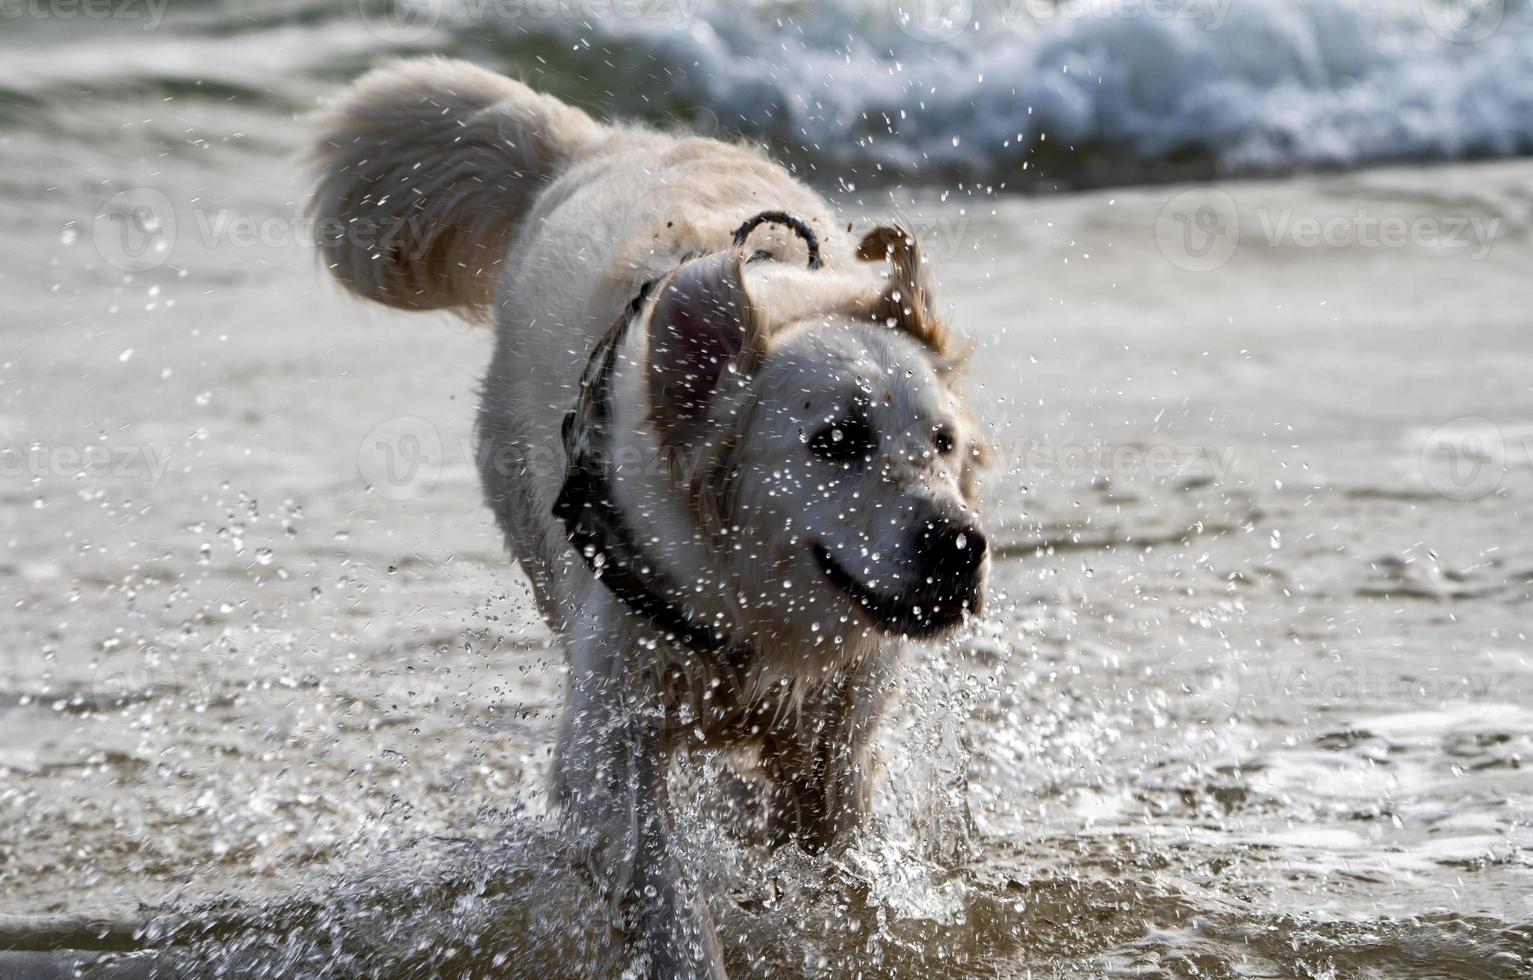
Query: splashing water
x=1265, y=715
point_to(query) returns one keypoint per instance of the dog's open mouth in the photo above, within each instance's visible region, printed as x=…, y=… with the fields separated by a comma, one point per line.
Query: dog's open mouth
x=929, y=612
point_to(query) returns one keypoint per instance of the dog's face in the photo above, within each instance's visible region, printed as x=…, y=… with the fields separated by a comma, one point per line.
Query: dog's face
x=850, y=477
x=838, y=461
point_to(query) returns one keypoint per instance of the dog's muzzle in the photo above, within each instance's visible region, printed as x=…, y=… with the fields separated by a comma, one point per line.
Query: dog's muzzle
x=950, y=558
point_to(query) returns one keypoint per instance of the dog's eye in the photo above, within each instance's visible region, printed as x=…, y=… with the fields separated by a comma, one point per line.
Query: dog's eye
x=943, y=440
x=845, y=441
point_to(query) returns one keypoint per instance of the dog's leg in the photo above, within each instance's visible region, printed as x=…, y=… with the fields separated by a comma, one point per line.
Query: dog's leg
x=611, y=780
x=821, y=761
x=666, y=914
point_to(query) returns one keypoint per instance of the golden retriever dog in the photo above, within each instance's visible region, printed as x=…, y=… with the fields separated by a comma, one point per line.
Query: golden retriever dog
x=720, y=433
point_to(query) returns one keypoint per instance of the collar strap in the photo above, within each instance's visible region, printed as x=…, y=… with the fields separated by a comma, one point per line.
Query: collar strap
x=800, y=228
x=597, y=527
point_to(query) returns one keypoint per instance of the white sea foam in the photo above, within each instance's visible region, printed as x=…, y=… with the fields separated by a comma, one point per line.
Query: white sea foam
x=916, y=86
x=1247, y=83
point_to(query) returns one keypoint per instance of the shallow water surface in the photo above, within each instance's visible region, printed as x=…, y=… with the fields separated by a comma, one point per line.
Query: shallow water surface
x=1253, y=697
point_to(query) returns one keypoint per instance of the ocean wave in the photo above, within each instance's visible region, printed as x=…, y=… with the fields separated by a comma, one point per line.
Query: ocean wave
x=1077, y=90
x=985, y=86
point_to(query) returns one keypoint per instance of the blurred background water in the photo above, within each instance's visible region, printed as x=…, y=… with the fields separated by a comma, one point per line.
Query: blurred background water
x=867, y=90
x=1248, y=284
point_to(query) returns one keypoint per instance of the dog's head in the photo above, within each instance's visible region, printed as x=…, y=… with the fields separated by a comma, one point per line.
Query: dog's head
x=813, y=423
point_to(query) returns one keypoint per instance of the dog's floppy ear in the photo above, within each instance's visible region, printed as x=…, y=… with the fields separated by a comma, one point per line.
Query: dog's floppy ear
x=702, y=321
x=908, y=300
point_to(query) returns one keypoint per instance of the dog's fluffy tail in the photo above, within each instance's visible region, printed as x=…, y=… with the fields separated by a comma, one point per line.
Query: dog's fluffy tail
x=424, y=169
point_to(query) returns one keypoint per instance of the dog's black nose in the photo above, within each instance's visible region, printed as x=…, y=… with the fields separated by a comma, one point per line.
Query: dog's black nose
x=951, y=551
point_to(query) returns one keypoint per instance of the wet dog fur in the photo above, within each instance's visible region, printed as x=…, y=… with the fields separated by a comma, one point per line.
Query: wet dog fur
x=791, y=444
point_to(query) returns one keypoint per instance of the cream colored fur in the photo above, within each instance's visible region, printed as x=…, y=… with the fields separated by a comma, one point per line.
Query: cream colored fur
x=508, y=205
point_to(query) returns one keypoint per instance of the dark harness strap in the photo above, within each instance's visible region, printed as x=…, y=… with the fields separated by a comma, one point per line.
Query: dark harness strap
x=800, y=228
x=596, y=527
